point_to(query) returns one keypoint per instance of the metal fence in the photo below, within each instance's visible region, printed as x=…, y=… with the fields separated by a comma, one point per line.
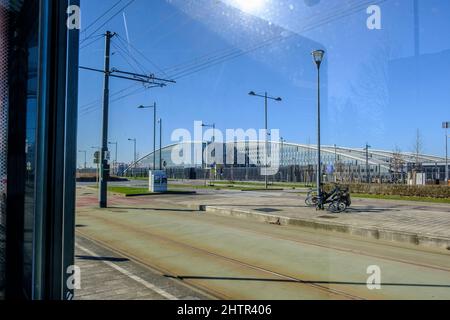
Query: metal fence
x=292, y=174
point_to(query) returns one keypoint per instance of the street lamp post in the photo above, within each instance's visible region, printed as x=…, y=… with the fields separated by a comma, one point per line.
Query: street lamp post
x=266, y=98
x=134, y=140
x=368, y=178
x=446, y=126
x=335, y=155
x=154, y=131
x=282, y=140
x=335, y=172
x=318, y=58
x=85, y=161
x=213, y=126
x=97, y=178
x=446, y=159
x=160, y=144
x=115, y=158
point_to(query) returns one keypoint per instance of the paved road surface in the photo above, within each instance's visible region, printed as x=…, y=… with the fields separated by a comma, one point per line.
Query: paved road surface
x=106, y=275
x=427, y=224
x=238, y=259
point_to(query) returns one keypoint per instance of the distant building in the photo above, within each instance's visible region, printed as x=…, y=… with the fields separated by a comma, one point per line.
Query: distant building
x=294, y=162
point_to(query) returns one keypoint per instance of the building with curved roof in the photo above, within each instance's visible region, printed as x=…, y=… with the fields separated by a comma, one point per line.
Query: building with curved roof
x=283, y=157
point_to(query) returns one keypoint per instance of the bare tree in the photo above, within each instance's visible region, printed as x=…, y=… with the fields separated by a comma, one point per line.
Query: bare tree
x=397, y=164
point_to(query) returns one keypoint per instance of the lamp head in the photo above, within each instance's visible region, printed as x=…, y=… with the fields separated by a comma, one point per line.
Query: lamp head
x=252, y=93
x=318, y=56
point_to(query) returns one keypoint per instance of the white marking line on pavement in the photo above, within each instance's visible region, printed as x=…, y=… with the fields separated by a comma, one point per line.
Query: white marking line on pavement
x=147, y=284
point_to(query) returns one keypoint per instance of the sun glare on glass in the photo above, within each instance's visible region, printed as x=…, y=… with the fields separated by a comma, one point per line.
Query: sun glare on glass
x=249, y=6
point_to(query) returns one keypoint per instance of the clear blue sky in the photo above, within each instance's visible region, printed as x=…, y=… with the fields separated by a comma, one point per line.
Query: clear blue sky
x=377, y=87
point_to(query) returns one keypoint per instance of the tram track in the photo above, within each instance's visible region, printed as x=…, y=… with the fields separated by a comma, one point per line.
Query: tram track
x=357, y=252
x=193, y=282
x=161, y=226
x=232, y=224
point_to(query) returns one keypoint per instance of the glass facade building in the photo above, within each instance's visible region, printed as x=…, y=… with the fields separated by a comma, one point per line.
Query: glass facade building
x=347, y=162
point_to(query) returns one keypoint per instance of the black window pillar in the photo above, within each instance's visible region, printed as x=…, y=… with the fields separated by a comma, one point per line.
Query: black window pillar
x=54, y=161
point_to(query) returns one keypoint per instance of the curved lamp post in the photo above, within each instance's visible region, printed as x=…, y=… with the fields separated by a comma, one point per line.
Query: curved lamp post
x=318, y=56
x=154, y=131
x=266, y=98
x=134, y=141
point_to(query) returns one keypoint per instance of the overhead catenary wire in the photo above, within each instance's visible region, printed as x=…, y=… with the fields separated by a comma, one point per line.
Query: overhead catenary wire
x=233, y=55
x=130, y=60
x=238, y=53
x=147, y=79
x=110, y=18
x=98, y=101
x=130, y=55
x=95, y=39
x=127, y=57
x=130, y=45
x=220, y=52
x=136, y=91
x=214, y=58
x=100, y=17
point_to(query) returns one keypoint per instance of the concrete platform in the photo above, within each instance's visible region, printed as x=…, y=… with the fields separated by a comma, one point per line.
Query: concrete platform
x=106, y=275
x=232, y=258
x=417, y=223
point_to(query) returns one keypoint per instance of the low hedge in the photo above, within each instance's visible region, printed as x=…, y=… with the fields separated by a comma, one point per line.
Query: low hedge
x=430, y=191
x=86, y=178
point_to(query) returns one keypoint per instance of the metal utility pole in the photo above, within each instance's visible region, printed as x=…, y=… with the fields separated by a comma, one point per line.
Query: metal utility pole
x=149, y=80
x=85, y=161
x=446, y=126
x=446, y=158
x=282, y=156
x=318, y=58
x=104, y=166
x=266, y=99
x=335, y=163
x=282, y=151
x=135, y=159
x=335, y=155
x=368, y=178
x=266, y=127
x=213, y=126
x=115, y=157
x=154, y=131
x=160, y=144
x=97, y=176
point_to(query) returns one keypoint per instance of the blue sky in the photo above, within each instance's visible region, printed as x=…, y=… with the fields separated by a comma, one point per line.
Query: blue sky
x=376, y=87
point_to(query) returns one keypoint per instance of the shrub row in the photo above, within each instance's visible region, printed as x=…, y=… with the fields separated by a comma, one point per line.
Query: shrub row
x=429, y=191
x=91, y=178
